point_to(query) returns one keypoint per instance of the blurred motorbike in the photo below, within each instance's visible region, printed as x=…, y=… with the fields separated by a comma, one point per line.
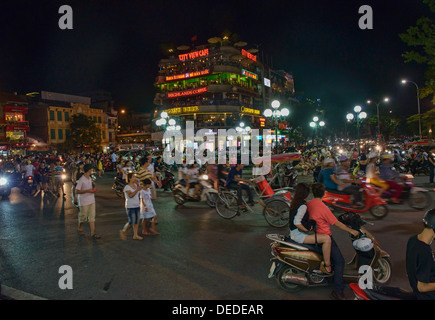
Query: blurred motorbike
x=207, y=193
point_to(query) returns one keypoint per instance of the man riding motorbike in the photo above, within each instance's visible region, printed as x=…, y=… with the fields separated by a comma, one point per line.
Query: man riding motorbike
x=346, y=181
x=233, y=182
x=420, y=264
x=389, y=175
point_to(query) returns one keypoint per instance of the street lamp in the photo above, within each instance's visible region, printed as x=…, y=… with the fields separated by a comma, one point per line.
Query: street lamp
x=315, y=124
x=360, y=115
x=275, y=114
x=404, y=81
x=377, y=110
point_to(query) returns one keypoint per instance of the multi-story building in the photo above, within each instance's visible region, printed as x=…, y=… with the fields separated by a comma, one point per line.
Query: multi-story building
x=13, y=123
x=50, y=116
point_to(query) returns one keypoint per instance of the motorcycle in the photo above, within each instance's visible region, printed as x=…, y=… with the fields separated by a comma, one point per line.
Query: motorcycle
x=5, y=186
x=207, y=193
x=169, y=181
x=381, y=293
x=417, y=197
x=289, y=176
x=377, y=206
x=28, y=185
x=118, y=186
x=296, y=266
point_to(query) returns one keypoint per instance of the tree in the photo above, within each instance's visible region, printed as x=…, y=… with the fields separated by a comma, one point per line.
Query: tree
x=427, y=119
x=422, y=38
x=84, y=133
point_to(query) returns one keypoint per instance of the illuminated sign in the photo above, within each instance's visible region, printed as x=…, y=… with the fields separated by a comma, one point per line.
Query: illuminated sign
x=267, y=82
x=193, y=55
x=187, y=92
x=187, y=75
x=182, y=110
x=262, y=122
x=249, y=55
x=249, y=110
x=249, y=74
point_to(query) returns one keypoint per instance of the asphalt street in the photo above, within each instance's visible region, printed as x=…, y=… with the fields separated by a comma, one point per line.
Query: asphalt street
x=197, y=256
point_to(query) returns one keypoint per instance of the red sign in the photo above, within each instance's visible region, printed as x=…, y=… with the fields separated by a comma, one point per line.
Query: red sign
x=17, y=128
x=15, y=109
x=249, y=55
x=187, y=92
x=188, y=75
x=3, y=147
x=194, y=54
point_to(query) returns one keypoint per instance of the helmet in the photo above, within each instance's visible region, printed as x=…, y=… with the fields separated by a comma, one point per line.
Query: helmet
x=372, y=155
x=386, y=155
x=343, y=158
x=429, y=219
x=363, y=244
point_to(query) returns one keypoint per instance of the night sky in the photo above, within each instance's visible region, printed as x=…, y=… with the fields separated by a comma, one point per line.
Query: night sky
x=116, y=46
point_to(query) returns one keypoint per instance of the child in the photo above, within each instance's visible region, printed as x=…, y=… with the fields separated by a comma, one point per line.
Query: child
x=147, y=212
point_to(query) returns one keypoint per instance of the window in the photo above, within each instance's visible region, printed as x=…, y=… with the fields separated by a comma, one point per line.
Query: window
x=59, y=116
x=60, y=134
x=66, y=115
x=52, y=132
x=66, y=133
x=95, y=119
x=99, y=119
x=51, y=115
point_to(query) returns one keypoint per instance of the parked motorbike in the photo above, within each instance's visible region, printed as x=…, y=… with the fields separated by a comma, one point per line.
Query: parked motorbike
x=381, y=293
x=207, y=193
x=290, y=177
x=118, y=186
x=418, y=198
x=377, y=206
x=296, y=266
x=169, y=181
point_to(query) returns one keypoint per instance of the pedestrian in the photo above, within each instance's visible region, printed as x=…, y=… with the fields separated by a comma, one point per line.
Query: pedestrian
x=85, y=191
x=132, y=206
x=147, y=212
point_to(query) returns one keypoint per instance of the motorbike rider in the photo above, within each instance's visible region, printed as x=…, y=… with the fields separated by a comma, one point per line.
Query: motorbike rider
x=192, y=178
x=420, y=264
x=431, y=162
x=372, y=176
x=418, y=161
x=234, y=180
x=324, y=218
x=346, y=181
x=389, y=175
x=300, y=233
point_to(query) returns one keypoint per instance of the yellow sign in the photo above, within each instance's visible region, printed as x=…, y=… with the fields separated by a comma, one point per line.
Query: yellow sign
x=249, y=110
x=183, y=110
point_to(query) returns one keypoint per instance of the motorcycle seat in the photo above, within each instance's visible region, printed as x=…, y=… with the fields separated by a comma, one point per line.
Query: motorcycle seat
x=311, y=247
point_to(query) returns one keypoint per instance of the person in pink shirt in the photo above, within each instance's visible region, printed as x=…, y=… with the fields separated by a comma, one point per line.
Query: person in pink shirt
x=324, y=218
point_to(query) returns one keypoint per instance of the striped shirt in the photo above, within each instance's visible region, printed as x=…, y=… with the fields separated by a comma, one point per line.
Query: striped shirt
x=143, y=174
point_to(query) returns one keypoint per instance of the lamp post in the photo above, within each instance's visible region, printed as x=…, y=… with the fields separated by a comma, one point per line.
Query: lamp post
x=360, y=115
x=315, y=124
x=404, y=81
x=377, y=110
x=275, y=114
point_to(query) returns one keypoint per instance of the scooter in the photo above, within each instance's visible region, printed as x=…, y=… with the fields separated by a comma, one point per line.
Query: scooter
x=208, y=193
x=417, y=197
x=381, y=293
x=296, y=266
x=118, y=186
x=377, y=206
x=169, y=181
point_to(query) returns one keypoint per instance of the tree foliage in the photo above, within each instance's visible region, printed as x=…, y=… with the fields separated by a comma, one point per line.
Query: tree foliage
x=84, y=133
x=421, y=38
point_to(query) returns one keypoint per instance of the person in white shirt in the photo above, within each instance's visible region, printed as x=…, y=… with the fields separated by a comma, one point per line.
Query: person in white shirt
x=28, y=169
x=114, y=160
x=85, y=192
x=132, y=206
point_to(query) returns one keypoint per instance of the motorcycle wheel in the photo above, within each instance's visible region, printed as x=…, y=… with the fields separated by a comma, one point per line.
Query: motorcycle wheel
x=287, y=286
x=420, y=200
x=382, y=271
x=379, y=211
x=179, y=197
x=276, y=213
x=211, y=200
x=226, y=205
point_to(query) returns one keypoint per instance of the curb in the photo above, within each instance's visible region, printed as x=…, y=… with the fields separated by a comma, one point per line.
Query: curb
x=8, y=293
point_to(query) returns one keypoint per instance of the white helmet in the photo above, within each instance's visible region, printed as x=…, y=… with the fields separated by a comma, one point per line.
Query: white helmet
x=372, y=154
x=363, y=244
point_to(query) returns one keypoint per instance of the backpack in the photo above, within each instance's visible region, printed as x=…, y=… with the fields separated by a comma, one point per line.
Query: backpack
x=308, y=223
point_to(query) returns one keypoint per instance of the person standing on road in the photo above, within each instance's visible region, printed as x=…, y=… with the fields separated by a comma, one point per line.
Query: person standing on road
x=420, y=264
x=86, y=197
x=147, y=212
x=132, y=206
x=324, y=218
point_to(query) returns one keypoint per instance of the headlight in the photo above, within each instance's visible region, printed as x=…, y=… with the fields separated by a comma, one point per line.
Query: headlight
x=204, y=177
x=3, y=181
x=63, y=176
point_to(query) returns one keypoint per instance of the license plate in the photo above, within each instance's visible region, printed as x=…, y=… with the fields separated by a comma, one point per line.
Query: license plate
x=272, y=270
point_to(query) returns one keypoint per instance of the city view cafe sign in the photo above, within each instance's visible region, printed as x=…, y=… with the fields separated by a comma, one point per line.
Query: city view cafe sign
x=197, y=109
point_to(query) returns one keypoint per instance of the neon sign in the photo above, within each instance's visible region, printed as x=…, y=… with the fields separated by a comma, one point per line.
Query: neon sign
x=187, y=92
x=249, y=74
x=194, y=54
x=249, y=55
x=249, y=110
x=182, y=110
x=188, y=75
